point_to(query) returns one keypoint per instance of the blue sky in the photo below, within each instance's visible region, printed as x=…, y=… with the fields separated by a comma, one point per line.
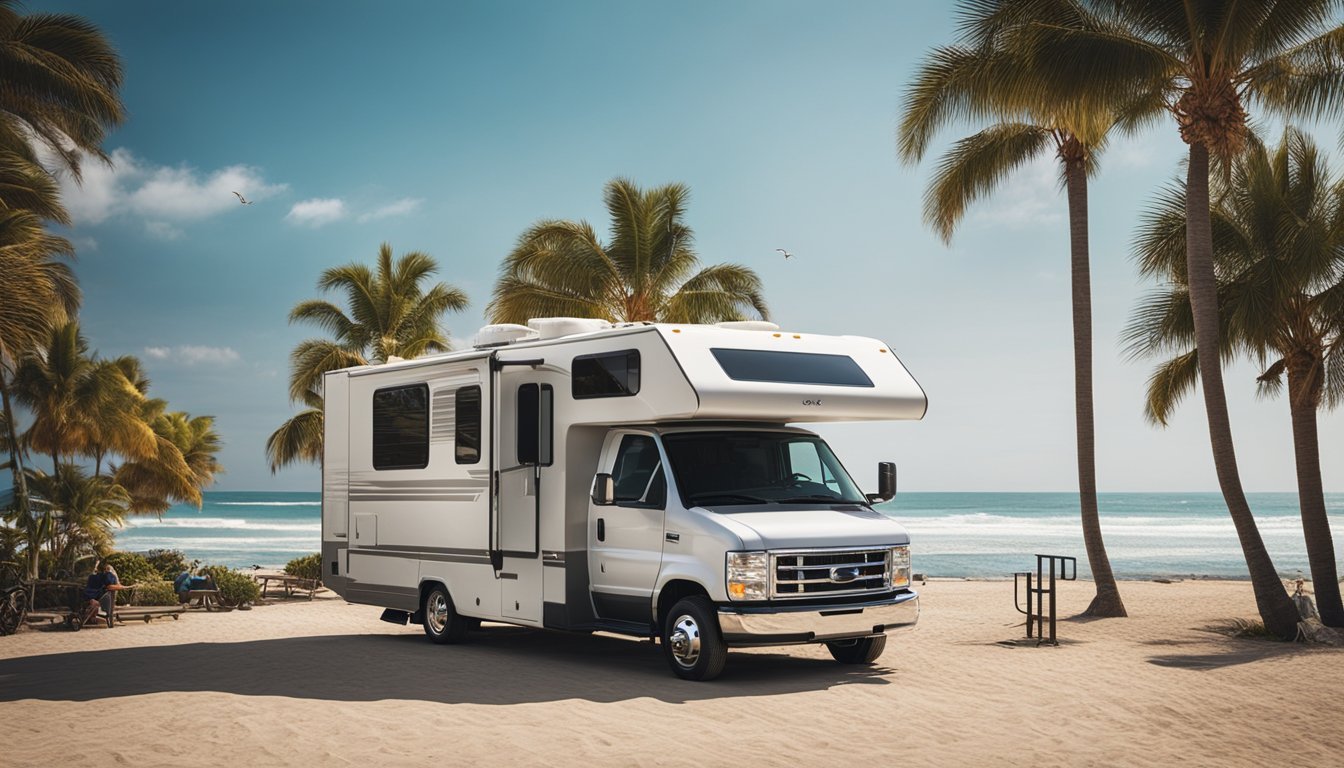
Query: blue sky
x=450, y=127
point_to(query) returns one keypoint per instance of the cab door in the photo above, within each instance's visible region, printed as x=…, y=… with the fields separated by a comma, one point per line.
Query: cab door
x=625, y=539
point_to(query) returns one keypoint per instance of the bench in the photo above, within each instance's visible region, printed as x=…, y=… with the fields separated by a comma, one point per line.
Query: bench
x=291, y=584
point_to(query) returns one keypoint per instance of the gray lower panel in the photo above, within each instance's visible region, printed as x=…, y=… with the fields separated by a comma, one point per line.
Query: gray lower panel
x=578, y=598
x=331, y=558
x=401, y=598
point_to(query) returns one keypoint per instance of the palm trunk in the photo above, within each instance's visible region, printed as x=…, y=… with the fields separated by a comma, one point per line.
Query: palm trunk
x=1311, y=497
x=16, y=464
x=1276, y=608
x=1107, y=601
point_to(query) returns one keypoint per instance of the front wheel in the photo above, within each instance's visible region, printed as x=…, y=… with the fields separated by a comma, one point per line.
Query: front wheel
x=692, y=642
x=865, y=650
x=443, y=624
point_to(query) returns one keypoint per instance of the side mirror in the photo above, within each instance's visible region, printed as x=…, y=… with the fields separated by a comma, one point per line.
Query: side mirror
x=604, y=489
x=886, y=483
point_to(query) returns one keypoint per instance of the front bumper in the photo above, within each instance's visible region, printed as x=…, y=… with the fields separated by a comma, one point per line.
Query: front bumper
x=784, y=624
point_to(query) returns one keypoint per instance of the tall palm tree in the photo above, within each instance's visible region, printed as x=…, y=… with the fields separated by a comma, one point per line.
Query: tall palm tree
x=389, y=313
x=81, y=404
x=38, y=292
x=1278, y=227
x=983, y=78
x=643, y=273
x=61, y=84
x=1210, y=60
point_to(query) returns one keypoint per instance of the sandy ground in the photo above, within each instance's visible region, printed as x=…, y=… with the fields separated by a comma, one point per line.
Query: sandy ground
x=326, y=683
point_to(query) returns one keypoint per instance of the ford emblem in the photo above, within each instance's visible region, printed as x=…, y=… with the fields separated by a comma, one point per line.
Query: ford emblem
x=844, y=575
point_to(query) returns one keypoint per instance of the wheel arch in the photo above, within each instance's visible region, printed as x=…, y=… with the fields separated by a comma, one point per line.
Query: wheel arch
x=671, y=592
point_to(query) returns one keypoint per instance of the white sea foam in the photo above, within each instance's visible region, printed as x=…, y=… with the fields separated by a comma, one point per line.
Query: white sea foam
x=224, y=523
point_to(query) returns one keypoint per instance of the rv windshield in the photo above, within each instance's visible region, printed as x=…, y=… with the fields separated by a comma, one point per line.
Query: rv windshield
x=733, y=468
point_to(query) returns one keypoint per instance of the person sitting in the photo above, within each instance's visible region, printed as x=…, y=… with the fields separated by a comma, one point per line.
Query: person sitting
x=100, y=592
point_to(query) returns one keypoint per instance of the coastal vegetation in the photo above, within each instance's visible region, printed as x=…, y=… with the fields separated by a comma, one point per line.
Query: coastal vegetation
x=59, y=100
x=987, y=76
x=1278, y=255
x=389, y=314
x=644, y=272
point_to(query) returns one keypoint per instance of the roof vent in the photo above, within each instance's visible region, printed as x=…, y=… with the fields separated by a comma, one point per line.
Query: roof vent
x=747, y=325
x=555, y=327
x=503, y=334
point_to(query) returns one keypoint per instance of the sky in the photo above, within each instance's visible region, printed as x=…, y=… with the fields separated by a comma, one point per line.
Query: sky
x=450, y=127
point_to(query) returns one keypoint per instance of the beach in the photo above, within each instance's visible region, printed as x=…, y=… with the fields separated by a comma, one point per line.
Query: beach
x=327, y=683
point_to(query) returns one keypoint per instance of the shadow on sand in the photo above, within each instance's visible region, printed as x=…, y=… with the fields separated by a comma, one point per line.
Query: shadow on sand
x=499, y=666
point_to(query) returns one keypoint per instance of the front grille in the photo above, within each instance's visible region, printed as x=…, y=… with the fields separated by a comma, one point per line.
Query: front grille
x=824, y=573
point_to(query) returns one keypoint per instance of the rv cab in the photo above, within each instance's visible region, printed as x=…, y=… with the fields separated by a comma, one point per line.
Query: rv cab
x=641, y=479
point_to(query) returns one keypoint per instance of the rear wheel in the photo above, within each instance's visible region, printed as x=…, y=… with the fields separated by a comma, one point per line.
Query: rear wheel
x=692, y=642
x=865, y=650
x=443, y=624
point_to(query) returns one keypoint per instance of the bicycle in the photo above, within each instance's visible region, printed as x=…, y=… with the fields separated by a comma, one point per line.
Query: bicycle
x=13, y=608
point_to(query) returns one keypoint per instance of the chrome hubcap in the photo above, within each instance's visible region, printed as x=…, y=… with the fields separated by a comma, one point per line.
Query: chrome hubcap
x=437, y=613
x=684, y=640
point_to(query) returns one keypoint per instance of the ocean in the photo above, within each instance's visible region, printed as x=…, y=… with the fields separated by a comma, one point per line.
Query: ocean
x=1147, y=535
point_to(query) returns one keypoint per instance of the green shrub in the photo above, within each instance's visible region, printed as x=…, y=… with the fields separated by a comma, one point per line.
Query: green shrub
x=170, y=562
x=234, y=588
x=306, y=567
x=155, y=593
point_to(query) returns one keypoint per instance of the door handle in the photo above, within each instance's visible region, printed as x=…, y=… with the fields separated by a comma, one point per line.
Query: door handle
x=601, y=529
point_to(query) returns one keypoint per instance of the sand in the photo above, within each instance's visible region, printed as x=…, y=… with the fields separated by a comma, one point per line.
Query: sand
x=326, y=683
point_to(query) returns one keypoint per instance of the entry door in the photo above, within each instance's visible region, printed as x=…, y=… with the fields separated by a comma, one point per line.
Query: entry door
x=526, y=452
x=626, y=538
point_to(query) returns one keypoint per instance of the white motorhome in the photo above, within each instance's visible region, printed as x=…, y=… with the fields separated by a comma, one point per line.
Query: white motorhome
x=638, y=478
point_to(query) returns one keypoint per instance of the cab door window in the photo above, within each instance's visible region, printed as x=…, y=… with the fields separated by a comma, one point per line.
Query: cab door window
x=638, y=473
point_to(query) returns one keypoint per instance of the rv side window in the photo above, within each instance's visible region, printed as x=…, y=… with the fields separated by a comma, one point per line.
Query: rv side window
x=536, y=408
x=638, y=474
x=467, y=433
x=791, y=367
x=401, y=427
x=612, y=374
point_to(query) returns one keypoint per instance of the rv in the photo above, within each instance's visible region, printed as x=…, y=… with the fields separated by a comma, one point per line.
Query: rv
x=638, y=478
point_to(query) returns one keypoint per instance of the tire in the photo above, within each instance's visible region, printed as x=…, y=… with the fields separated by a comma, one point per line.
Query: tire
x=865, y=650
x=443, y=624
x=692, y=641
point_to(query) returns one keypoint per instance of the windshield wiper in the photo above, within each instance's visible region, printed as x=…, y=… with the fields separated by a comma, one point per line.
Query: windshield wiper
x=697, y=498
x=817, y=497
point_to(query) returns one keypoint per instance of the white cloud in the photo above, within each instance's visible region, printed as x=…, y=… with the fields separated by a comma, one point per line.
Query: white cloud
x=162, y=230
x=84, y=243
x=131, y=186
x=317, y=212
x=191, y=354
x=1030, y=197
x=402, y=207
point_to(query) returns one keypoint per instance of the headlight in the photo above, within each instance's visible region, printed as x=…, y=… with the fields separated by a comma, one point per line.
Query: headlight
x=898, y=567
x=748, y=576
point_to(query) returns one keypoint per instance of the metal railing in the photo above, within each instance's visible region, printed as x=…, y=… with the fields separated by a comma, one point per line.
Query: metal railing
x=1059, y=568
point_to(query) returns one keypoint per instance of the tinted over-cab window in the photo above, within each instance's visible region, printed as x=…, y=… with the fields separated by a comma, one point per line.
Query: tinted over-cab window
x=611, y=374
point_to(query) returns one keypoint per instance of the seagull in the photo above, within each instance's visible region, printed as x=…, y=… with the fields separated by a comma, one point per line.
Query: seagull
x=242, y=199
x=787, y=255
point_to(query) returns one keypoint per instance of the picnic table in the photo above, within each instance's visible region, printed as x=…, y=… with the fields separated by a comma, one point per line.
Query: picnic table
x=291, y=584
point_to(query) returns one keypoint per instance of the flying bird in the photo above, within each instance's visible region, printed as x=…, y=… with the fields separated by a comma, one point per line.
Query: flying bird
x=787, y=255
x=242, y=199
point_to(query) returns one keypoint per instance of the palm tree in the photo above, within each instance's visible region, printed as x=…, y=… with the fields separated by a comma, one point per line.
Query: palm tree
x=61, y=84
x=644, y=272
x=38, y=292
x=182, y=465
x=80, y=404
x=83, y=511
x=1209, y=60
x=982, y=77
x=390, y=314
x=1278, y=228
